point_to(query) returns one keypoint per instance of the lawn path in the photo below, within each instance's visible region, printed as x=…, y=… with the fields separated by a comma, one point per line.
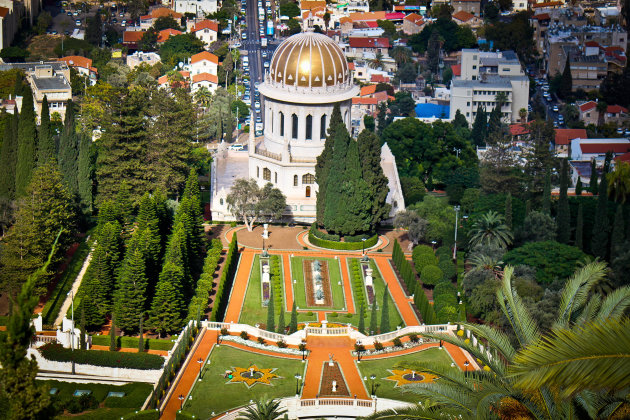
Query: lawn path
x=347, y=287
x=239, y=287
x=288, y=282
x=73, y=292
x=402, y=301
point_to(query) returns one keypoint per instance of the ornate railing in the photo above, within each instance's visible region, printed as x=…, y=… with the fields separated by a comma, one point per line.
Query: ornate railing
x=263, y=152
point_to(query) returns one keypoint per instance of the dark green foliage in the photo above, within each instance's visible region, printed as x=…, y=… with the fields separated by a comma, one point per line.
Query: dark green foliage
x=133, y=342
x=385, y=327
x=508, y=210
x=167, y=306
x=112, y=333
x=69, y=151
x=179, y=48
x=496, y=202
x=578, y=187
x=422, y=256
x=422, y=303
x=271, y=320
x=324, y=161
x=546, y=195
x=315, y=237
x=552, y=260
x=494, y=122
x=431, y=275
x=403, y=266
x=357, y=282
x=599, y=241
x=281, y=324
x=361, y=319
x=579, y=228
x=333, y=218
x=141, y=335
x=566, y=82
x=479, y=131
x=537, y=227
x=85, y=177
x=199, y=302
x=448, y=268
x=225, y=282
x=373, y=320
x=131, y=288
x=592, y=186
x=8, y=156
x=148, y=224
x=143, y=361
x=369, y=148
x=413, y=189
x=563, y=218
x=46, y=147
x=454, y=37
x=27, y=144
x=617, y=236
x=294, y=321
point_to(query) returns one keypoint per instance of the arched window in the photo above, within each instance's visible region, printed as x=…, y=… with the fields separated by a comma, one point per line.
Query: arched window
x=275, y=175
x=266, y=174
x=345, y=118
x=294, y=126
x=257, y=171
x=271, y=113
x=221, y=201
x=308, y=179
x=322, y=127
x=281, y=124
x=308, y=191
x=309, y=127
x=295, y=180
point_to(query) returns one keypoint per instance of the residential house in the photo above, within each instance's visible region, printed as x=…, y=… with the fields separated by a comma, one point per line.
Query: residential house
x=147, y=21
x=471, y=6
x=357, y=47
x=412, y=24
x=199, y=8
x=131, y=39
x=204, y=80
x=589, y=149
x=139, y=57
x=82, y=65
x=165, y=34
x=466, y=18
x=174, y=79
x=563, y=138
x=207, y=31
x=204, y=62
x=590, y=115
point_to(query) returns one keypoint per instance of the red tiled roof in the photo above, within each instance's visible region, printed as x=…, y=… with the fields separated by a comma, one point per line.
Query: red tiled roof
x=381, y=96
x=77, y=61
x=364, y=42
x=163, y=12
x=542, y=16
x=205, y=24
x=379, y=78
x=4, y=12
x=205, y=77
x=351, y=66
x=602, y=148
x=165, y=34
x=616, y=109
x=591, y=44
x=364, y=101
x=359, y=16
x=456, y=69
x=345, y=19
x=204, y=55
x=565, y=135
x=623, y=158
x=371, y=24
x=162, y=80
x=519, y=129
x=463, y=16
x=312, y=4
x=547, y=4
x=415, y=18
x=588, y=106
x=367, y=90
x=132, y=36
x=395, y=16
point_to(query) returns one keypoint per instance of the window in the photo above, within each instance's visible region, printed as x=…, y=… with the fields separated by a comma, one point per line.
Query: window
x=271, y=119
x=308, y=179
x=468, y=103
x=266, y=174
x=474, y=67
x=221, y=201
x=275, y=176
x=309, y=127
x=281, y=124
x=257, y=171
x=322, y=127
x=308, y=191
x=295, y=180
x=294, y=126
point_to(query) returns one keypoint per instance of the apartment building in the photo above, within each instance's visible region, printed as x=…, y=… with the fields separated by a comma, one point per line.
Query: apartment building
x=199, y=8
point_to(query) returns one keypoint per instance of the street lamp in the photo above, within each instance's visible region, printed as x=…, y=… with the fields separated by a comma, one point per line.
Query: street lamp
x=456, y=208
x=302, y=348
x=359, y=348
x=466, y=364
x=373, y=385
x=200, y=361
x=71, y=294
x=181, y=401
x=297, y=384
x=434, y=243
x=264, y=254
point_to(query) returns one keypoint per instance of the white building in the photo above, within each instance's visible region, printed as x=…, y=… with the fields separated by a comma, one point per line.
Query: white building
x=199, y=7
x=204, y=62
x=206, y=30
x=308, y=76
x=483, y=76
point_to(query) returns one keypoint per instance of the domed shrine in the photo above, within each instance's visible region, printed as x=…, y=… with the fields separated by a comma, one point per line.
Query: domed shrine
x=308, y=75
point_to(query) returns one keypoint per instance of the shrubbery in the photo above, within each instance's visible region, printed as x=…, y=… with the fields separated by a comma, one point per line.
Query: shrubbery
x=448, y=268
x=225, y=282
x=347, y=246
x=144, y=415
x=444, y=252
x=357, y=284
x=404, y=268
x=431, y=275
x=199, y=301
x=424, y=260
x=276, y=281
x=552, y=260
x=144, y=361
x=132, y=342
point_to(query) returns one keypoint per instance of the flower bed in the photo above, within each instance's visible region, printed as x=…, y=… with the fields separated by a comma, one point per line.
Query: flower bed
x=370, y=294
x=143, y=361
x=257, y=345
x=265, y=293
x=319, y=325
x=309, y=283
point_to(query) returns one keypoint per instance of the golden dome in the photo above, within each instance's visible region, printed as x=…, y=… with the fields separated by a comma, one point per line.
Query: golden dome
x=309, y=59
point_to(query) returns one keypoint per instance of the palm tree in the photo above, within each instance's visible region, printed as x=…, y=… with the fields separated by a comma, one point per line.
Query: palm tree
x=619, y=182
x=326, y=19
x=522, y=113
x=203, y=96
x=377, y=61
x=497, y=387
x=490, y=229
x=401, y=54
x=265, y=409
x=501, y=99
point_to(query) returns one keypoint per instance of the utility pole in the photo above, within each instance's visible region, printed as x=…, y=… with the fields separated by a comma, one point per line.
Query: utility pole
x=455, y=246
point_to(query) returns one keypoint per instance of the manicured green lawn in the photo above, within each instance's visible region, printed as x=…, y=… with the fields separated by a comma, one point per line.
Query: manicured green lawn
x=379, y=287
x=334, y=272
x=253, y=312
x=386, y=388
x=213, y=393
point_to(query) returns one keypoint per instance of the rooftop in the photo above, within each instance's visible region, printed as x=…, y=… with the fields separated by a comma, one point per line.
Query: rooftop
x=57, y=82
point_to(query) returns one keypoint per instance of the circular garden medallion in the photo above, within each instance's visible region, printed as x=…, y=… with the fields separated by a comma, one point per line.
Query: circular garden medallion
x=404, y=377
x=252, y=375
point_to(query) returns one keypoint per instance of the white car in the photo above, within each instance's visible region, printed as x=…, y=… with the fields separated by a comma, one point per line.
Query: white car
x=257, y=105
x=266, y=65
x=77, y=22
x=237, y=147
x=555, y=108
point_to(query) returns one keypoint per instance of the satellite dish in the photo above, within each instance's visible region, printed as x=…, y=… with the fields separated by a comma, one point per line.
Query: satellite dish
x=180, y=64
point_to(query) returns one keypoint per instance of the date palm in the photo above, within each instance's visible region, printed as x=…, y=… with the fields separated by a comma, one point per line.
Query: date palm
x=619, y=182
x=490, y=229
x=377, y=61
x=265, y=409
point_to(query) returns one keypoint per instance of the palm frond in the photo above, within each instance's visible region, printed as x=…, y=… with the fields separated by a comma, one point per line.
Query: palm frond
x=595, y=356
x=444, y=395
x=417, y=412
x=575, y=292
x=590, y=310
x=615, y=304
x=495, y=339
x=518, y=316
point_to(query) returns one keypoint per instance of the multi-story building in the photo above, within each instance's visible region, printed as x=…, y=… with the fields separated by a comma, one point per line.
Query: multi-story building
x=200, y=8
x=206, y=30
x=413, y=23
x=486, y=77
x=139, y=57
x=470, y=6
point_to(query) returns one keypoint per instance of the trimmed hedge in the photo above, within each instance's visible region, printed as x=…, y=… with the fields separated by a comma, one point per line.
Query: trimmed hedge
x=199, y=301
x=444, y=252
x=431, y=275
x=424, y=260
x=448, y=268
x=323, y=235
x=132, y=342
x=225, y=282
x=357, y=284
x=347, y=246
x=276, y=281
x=184, y=415
x=404, y=268
x=445, y=302
x=143, y=361
x=143, y=415
x=422, y=303
x=422, y=250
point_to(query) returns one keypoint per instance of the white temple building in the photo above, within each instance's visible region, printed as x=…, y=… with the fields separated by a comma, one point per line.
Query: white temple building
x=308, y=75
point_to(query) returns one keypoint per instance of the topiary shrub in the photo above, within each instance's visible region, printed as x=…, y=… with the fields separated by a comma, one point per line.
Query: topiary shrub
x=431, y=275
x=397, y=343
x=378, y=346
x=282, y=344
x=261, y=340
x=447, y=314
x=414, y=338
x=244, y=335
x=422, y=249
x=424, y=260
x=448, y=268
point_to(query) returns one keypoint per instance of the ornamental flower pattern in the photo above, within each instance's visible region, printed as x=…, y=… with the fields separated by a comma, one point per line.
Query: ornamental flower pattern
x=404, y=377
x=260, y=376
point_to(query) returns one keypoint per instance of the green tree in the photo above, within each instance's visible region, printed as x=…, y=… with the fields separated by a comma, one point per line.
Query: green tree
x=335, y=182
x=538, y=226
x=479, y=129
x=490, y=229
x=69, y=151
x=599, y=241
x=546, y=198
x=148, y=225
x=94, y=30
x=618, y=234
x=563, y=218
x=578, y=186
x=167, y=305
x=434, y=45
x=141, y=335
x=294, y=320
x=593, y=186
x=373, y=320
x=495, y=125
x=324, y=161
x=460, y=121
x=281, y=323
x=508, y=210
x=27, y=141
x=177, y=252
x=566, y=82
x=112, y=334
x=8, y=158
x=264, y=409
x=372, y=173
x=289, y=9
x=271, y=319
x=579, y=228
x=551, y=260
x=46, y=146
x=131, y=289
x=85, y=176
x=362, y=319
x=179, y=48
x=385, y=312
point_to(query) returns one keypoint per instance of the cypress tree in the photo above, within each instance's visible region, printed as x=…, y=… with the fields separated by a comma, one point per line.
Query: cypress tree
x=353, y=212
x=373, y=320
x=112, y=334
x=528, y=207
x=385, y=312
x=86, y=174
x=599, y=241
x=8, y=157
x=27, y=141
x=177, y=253
x=149, y=225
x=563, y=219
x=578, y=187
x=566, y=82
x=592, y=186
x=293, y=325
x=494, y=122
x=508, y=210
x=192, y=191
x=362, y=319
x=281, y=322
x=324, y=161
x=167, y=306
x=68, y=154
x=618, y=234
x=131, y=290
x=335, y=182
x=83, y=344
x=479, y=129
x=370, y=156
x=192, y=225
x=546, y=199
x=141, y=336
x=579, y=228
x=46, y=147
x=271, y=321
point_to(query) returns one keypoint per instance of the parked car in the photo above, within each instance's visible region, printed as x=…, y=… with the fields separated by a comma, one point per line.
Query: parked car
x=555, y=108
x=77, y=22
x=237, y=147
